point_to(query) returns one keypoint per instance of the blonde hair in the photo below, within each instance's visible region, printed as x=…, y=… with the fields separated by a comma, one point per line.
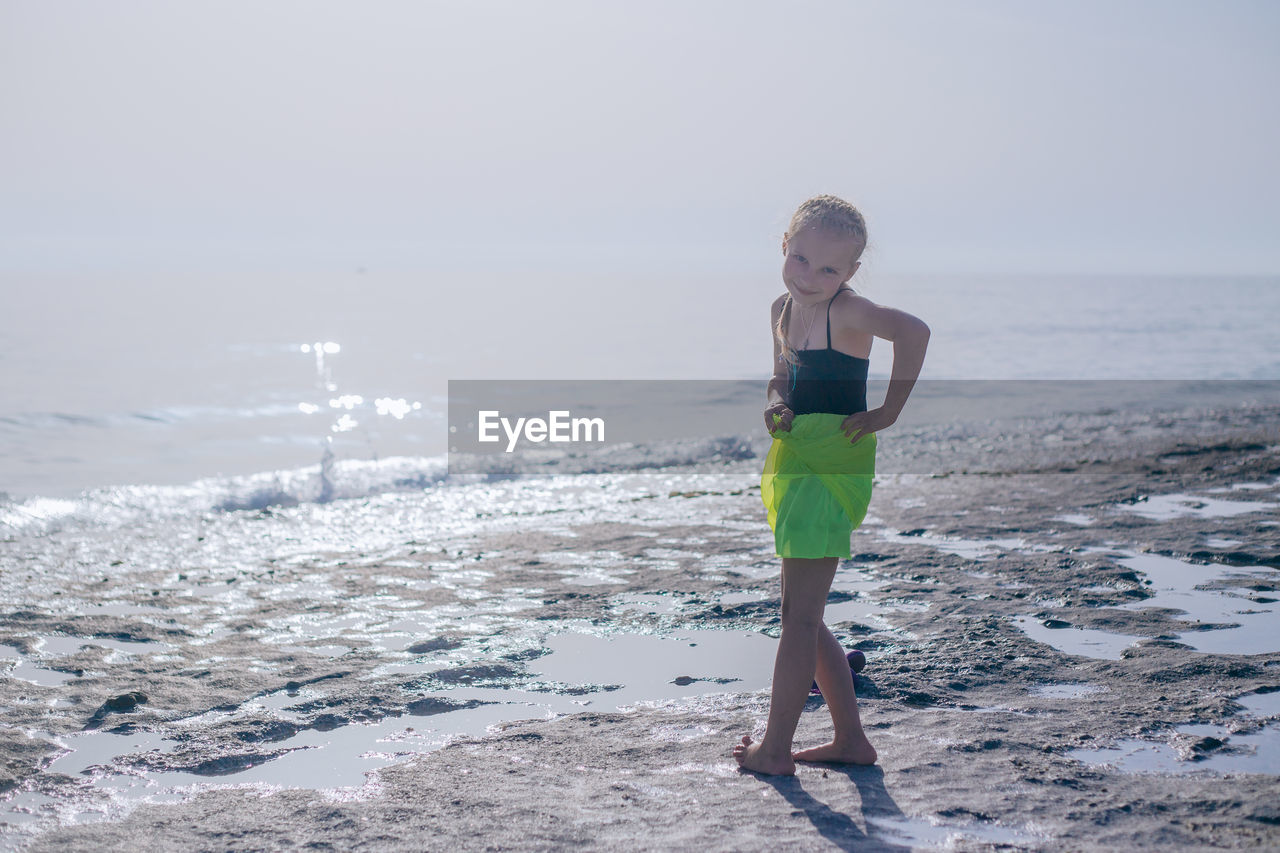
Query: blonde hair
x=837, y=217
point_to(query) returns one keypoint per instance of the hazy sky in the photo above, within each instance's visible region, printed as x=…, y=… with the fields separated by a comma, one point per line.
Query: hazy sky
x=976, y=136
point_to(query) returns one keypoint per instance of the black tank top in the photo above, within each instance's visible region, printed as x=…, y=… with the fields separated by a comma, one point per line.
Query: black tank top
x=826, y=380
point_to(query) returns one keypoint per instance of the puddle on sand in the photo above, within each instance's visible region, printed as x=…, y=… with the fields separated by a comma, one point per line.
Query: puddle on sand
x=651, y=667
x=980, y=709
x=863, y=608
x=970, y=549
x=1237, y=487
x=1206, y=747
x=338, y=758
x=595, y=576
x=651, y=603
x=58, y=645
x=24, y=670
x=1260, y=704
x=1084, y=642
x=1175, y=583
x=115, y=608
x=1222, y=752
x=930, y=833
x=1067, y=691
x=614, y=671
x=733, y=599
x=1248, y=624
x=26, y=667
x=1166, y=507
x=1072, y=518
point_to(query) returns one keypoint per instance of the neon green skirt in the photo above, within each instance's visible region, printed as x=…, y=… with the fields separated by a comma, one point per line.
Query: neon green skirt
x=816, y=486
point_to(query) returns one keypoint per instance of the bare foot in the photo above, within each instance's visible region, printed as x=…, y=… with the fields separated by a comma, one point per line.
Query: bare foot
x=751, y=757
x=859, y=752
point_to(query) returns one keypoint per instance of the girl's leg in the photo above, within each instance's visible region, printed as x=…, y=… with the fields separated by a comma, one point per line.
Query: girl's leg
x=836, y=686
x=850, y=744
x=805, y=584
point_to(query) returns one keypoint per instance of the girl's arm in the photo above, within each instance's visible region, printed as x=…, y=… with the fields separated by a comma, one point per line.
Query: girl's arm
x=910, y=337
x=777, y=392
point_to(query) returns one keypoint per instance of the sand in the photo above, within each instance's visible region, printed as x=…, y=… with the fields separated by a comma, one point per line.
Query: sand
x=1019, y=695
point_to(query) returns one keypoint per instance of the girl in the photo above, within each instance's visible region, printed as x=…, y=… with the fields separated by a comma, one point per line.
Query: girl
x=817, y=477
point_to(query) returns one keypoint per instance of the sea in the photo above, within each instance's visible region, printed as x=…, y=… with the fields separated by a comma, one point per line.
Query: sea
x=213, y=384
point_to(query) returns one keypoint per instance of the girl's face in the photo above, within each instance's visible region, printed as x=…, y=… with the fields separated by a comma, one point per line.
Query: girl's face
x=816, y=264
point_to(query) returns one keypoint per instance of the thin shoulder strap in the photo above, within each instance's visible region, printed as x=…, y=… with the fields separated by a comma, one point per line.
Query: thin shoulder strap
x=829, y=301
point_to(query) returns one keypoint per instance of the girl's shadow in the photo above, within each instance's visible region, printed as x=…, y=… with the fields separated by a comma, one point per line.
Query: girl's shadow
x=837, y=827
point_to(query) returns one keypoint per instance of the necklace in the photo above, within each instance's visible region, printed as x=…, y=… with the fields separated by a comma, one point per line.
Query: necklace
x=808, y=328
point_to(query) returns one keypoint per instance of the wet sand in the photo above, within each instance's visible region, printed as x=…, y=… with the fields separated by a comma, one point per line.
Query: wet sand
x=1020, y=694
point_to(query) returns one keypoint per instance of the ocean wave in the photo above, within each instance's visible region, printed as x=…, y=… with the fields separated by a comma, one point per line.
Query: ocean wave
x=344, y=479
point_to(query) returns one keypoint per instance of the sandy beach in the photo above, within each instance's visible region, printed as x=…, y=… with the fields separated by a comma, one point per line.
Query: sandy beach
x=1069, y=627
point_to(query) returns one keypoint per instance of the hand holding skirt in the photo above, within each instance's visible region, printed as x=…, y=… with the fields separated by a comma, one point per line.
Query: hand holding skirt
x=816, y=486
